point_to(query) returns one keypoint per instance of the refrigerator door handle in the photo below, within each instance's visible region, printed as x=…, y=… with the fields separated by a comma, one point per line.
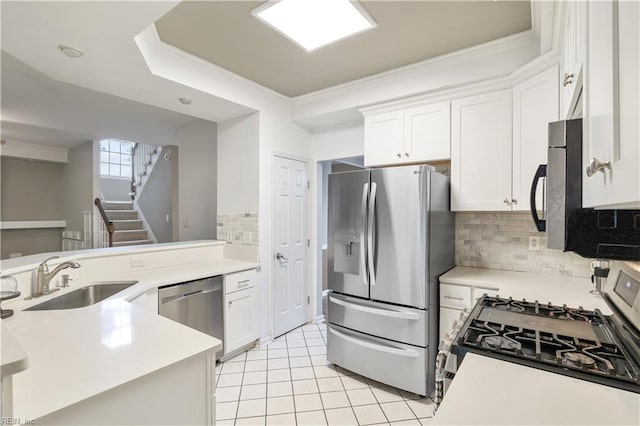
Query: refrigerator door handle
x=371, y=226
x=411, y=353
x=363, y=253
x=382, y=312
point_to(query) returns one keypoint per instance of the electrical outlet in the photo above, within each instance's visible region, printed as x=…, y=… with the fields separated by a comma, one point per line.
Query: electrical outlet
x=534, y=243
x=167, y=218
x=186, y=223
x=137, y=263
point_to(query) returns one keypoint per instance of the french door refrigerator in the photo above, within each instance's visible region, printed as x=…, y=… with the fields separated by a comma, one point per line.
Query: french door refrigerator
x=390, y=236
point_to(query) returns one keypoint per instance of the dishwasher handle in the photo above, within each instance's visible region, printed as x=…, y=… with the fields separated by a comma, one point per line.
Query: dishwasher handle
x=177, y=297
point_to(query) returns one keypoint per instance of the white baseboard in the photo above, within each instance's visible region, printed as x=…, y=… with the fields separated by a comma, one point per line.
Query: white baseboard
x=264, y=341
x=319, y=319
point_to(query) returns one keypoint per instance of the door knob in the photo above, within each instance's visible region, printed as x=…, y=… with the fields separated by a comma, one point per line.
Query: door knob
x=281, y=257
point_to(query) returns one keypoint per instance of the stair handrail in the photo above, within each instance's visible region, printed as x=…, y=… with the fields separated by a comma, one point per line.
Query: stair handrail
x=132, y=194
x=105, y=219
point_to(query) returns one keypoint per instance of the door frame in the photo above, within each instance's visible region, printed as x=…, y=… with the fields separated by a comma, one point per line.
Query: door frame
x=308, y=314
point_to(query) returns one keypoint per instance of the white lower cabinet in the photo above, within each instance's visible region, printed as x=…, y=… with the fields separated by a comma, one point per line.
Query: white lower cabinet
x=448, y=316
x=240, y=319
x=455, y=299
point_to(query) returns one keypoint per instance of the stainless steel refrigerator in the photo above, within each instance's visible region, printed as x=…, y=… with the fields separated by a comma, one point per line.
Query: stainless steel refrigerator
x=390, y=236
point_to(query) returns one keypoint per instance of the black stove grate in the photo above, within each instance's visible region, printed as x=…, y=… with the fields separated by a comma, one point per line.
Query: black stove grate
x=575, y=342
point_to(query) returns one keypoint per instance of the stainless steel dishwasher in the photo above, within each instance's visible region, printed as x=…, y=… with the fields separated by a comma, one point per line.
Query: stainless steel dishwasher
x=197, y=304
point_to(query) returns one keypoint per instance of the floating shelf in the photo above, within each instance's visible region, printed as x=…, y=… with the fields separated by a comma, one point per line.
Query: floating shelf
x=33, y=224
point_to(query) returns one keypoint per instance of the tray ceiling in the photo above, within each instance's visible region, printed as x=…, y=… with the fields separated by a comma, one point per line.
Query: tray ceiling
x=226, y=34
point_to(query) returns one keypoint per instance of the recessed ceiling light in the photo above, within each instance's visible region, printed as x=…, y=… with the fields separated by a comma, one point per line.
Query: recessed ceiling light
x=315, y=23
x=71, y=52
x=185, y=101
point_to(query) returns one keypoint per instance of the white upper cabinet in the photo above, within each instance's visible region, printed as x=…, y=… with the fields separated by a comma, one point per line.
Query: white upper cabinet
x=535, y=105
x=481, y=152
x=383, y=138
x=612, y=95
x=573, y=53
x=414, y=135
x=427, y=133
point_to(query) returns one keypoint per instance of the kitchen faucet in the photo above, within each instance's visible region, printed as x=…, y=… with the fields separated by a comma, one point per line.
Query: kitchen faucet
x=44, y=277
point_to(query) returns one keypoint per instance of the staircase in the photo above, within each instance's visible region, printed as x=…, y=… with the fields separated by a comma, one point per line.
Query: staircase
x=144, y=158
x=129, y=229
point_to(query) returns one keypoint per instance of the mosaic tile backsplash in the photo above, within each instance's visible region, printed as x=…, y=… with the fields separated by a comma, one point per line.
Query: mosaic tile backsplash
x=238, y=228
x=501, y=241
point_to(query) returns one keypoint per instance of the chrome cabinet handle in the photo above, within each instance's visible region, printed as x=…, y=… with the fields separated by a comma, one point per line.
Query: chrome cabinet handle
x=596, y=166
x=514, y=201
x=281, y=257
x=506, y=201
x=568, y=79
x=399, y=155
x=454, y=298
x=406, y=154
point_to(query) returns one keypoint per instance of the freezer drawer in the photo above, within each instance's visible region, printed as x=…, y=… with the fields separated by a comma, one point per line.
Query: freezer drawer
x=398, y=323
x=394, y=364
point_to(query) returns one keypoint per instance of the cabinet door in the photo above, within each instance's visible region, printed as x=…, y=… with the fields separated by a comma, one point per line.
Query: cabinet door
x=481, y=152
x=612, y=105
x=240, y=322
x=448, y=316
x=427, y=133
x=383, y=138
x=535, y=105
x=573, y=50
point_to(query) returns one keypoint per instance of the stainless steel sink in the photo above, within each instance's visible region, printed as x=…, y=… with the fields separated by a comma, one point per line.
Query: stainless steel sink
x=85, y=296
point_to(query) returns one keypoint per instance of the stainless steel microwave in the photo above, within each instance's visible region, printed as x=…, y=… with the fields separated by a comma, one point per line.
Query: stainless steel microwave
x=602, y=234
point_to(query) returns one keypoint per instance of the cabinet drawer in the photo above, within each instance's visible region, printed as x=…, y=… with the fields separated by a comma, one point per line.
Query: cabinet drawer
x=239, y=281
x=479, y=291
x=455, y=296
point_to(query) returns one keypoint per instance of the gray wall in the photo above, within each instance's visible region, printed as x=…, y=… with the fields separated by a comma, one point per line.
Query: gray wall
x=115, y=189
x=29, y=241
x=29, y=190
x=76, y=185
x=197, y=180
x=156, y=196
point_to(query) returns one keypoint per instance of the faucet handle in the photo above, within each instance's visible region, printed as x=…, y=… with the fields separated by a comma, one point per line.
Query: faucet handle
x=65, y=280
x=44, y=262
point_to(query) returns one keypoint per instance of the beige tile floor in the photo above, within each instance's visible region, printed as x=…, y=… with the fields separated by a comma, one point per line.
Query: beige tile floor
x=290, y=382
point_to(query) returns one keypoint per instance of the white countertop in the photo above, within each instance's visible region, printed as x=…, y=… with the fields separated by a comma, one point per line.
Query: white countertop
x=78, y=353
x=13, y=357
x=556, y=289
x=487, y=391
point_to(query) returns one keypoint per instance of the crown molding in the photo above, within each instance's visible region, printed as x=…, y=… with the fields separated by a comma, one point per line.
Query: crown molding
x=440, y=95
x=424, y=67
x=536, y=66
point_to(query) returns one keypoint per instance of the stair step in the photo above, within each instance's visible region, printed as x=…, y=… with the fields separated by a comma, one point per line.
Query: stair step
x=117, y=205
x=130, y=235
x=129, y=224
x=131, y=243
x=122, y=214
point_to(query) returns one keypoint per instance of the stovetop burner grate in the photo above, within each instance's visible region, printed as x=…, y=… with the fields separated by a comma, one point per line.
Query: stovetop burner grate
x=563, y=339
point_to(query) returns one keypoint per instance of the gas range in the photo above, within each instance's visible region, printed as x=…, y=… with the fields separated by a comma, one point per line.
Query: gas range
x=571, y=341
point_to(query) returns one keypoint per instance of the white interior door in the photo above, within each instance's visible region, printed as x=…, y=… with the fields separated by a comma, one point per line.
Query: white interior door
x=289, y=244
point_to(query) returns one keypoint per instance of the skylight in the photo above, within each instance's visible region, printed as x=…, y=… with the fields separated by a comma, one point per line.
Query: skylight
x=315, y=23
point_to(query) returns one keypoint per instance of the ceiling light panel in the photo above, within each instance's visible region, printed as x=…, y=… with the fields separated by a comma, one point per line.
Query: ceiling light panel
x=315, y=23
